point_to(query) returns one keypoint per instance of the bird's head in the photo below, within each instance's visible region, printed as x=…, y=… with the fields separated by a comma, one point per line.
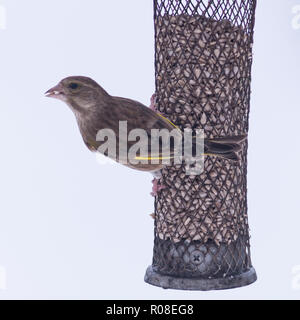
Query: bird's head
x=80, y=93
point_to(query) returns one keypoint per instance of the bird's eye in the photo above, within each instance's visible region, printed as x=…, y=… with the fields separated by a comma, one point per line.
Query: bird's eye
x=73, y=85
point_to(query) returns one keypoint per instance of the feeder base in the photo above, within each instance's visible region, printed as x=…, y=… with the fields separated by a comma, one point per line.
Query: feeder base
x=169, y=282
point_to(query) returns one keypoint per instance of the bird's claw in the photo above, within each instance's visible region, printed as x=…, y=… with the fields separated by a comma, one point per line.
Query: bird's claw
x=156, y=187
x=153, y=103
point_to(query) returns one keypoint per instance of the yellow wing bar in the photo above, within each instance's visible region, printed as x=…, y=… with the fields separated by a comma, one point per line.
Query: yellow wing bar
x=153, y=158
x=169, y=121
x=159, y=158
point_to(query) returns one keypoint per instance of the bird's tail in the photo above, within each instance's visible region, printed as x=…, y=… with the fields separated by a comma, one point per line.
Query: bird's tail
x=225, y=147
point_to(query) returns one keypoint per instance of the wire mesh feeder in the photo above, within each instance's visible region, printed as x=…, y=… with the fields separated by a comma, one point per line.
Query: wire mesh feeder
x=203, y=61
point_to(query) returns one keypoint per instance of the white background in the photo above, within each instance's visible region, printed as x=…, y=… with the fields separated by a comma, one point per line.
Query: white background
x=70, y=228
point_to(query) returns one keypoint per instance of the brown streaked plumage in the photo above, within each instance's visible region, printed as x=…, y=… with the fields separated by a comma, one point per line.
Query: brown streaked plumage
x=95, y=109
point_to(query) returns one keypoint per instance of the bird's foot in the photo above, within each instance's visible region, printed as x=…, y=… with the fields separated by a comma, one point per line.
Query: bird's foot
x=153, y=103
x=156, y=187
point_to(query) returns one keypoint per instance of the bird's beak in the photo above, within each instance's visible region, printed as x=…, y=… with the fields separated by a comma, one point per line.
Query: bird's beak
x=55, y=92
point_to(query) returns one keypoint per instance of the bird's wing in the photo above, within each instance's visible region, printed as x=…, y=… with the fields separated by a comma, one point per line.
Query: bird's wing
x=138, y=116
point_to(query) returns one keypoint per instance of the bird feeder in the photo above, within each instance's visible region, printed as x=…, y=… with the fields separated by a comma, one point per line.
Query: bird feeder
x=203, y=58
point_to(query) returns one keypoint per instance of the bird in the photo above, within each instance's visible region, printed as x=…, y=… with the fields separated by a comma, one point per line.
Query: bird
x=95, y=109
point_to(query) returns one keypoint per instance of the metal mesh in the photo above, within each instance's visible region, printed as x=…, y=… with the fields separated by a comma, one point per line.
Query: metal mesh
x=203, y=61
